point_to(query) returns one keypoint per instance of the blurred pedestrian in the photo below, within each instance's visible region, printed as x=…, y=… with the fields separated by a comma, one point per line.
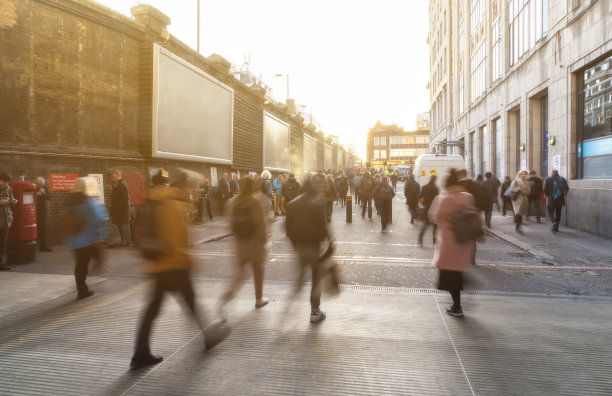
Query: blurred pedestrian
x=42, y=204
x=520, y=204
x=412, y=190
x=394, y=177
x=306, y=228
x=491, y=186
x=171, y=270
x=235, y=185
x=451, y=257
x=289, y=190
x=204, y=200
x=356, y=181
x=555, y=188
x=506, y=201
x=428, y=193
x=332, y=196
x=247, y=222
x=84, y=229
x=343, y=189
x=277, y=185
x=7, y=202
x=535, y=193
x=120, y=207
x=225, y=191
x=366, y=188
x=383, y=195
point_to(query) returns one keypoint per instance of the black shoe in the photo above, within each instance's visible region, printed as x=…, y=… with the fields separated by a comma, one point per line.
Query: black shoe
x=86, y=294
x=144, y=361
x=4, y=268
x=452, y=311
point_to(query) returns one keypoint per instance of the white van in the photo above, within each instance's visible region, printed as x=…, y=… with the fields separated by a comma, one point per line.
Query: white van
x=436, y=164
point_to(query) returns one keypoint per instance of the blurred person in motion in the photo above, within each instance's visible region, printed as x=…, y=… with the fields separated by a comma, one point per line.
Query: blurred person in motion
x=84, y=229
x=306, y=228
x=171, y=269
x=491, y=185
x=289, y=190
x=277, y=185
x=555, y=189
x=506, y=201
x=7, y=202
x=332, y=196
x=535, y=193
x=343, y=187
x=383, y=196
x=356, y=180
x=520, y=204
x=225, y=191
x=235, y=185
x=204, y=201
x=120, y=207
x=247, y=222
x=451, y=257
x=394, y=178
x=42, y=203
x=428, y=193
x=266, y=184
x=366, y=188
x=412, y=189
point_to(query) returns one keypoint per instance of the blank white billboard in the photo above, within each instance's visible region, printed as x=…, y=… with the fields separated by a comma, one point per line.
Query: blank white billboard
x=192, y=112
x=310, y=154
x=328, y=158
x=276, y=144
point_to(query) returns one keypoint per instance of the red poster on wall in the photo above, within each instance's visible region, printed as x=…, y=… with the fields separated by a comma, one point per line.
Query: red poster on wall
x=62, y=181
x=136, y=183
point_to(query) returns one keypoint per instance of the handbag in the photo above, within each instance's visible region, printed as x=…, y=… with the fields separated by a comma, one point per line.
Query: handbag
x=466, y=225
x=512, y=195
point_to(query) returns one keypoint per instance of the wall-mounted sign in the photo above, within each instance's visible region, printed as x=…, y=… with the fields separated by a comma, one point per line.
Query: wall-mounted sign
x=557, y=163
x=62, y=181
x=99, y=178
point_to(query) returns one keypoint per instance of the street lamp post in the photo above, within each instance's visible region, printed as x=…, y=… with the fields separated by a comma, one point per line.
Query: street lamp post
x=285, y=75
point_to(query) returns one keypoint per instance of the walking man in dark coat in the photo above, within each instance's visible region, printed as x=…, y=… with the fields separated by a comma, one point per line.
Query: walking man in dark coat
x=412, y=189
x=491, y=185
x=120, y=207
x=535, y=192
x=555, y=188
x=428, y=193
x=383, y=195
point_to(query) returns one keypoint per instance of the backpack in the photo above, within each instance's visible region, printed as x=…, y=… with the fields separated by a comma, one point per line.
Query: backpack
x=369, y=185
x=466, y=225
x=559, y=188
x=243, y=223
x=70, y=221
x=149, y=240
x=291, y=190
x=482, y=197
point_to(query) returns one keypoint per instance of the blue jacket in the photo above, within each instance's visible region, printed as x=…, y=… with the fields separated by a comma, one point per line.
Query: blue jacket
x=95, y=227
x=277, y=186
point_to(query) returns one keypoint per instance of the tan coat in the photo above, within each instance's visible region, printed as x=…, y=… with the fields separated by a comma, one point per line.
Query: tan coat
x=172, y=218
x=449, y=254
x=521, y=204
x=254, y=247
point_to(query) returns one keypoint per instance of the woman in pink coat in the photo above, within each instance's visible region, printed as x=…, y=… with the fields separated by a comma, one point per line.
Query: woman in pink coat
x=451, y=257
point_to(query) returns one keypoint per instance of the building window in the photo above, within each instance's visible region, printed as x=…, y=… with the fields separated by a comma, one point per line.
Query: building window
x=461, y=93
x=497, y=49
x=383, y=154
x=376, y=141
x=499, y=147
x=461, y=38
x=479, y=9
x=479, y=71
x=527, y=23
x=383, y=140
x=422, y=140
x=376, y=154
x=595, y=131
x=484, y=139
x=473, y=154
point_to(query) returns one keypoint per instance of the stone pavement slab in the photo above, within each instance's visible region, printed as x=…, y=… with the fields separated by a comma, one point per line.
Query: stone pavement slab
x=375, y=341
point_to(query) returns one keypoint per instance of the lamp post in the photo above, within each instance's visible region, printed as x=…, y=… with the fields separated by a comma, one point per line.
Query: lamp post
x=285, y=75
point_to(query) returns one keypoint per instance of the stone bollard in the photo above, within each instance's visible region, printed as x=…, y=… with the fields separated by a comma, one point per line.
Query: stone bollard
x=349, y=209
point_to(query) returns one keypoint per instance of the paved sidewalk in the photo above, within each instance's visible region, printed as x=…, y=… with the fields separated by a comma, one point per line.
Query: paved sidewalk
x=569, y=247
x=375, y=341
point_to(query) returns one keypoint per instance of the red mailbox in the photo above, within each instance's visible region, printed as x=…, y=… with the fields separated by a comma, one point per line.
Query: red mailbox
x=21, y=247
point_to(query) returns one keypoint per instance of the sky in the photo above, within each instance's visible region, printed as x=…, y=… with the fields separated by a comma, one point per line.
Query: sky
x=353, y=62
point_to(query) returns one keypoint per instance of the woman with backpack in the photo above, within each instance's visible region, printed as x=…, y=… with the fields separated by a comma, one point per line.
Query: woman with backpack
x=451, y=258
x=249, y=227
